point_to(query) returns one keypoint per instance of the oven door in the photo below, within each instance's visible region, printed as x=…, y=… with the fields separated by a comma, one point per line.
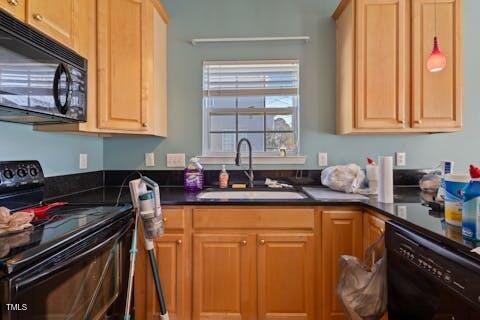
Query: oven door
x=80, y=282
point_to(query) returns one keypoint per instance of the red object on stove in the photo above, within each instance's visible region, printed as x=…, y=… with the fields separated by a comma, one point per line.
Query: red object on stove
x=40, y=212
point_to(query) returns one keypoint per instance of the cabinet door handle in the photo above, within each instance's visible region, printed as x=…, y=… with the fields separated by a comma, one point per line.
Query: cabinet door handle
x=243, y=242
x=144, y=124
x=13, y=2
x=38, y=17
x=262, y=242
x=179, y=242
x=418, y=122
x=164, y=219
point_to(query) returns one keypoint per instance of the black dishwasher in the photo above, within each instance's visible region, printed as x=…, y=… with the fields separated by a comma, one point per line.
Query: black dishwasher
x=427, y=280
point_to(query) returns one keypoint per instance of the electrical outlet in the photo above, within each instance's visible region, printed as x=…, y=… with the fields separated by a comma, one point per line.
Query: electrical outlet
x=176, y=160
x=401, y=159
x=322, y=159
x=402, y=212
x=149, y=159
x=83, y=161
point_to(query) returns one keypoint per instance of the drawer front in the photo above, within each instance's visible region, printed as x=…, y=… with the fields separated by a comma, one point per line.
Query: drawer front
x=253, y=218
x=174, y=218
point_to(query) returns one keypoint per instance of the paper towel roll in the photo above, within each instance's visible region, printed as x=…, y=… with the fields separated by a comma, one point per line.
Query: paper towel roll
x=385, y=179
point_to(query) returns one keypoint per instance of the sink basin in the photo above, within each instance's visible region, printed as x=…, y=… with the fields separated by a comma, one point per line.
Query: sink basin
x=251, y=195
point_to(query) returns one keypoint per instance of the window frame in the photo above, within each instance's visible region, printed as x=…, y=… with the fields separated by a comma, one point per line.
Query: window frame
x=237, y=111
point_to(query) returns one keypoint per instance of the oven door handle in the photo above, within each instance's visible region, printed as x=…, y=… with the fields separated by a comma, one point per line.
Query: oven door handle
x=25, y=283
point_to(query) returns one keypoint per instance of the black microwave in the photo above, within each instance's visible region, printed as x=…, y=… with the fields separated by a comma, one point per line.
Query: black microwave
x=41, y=81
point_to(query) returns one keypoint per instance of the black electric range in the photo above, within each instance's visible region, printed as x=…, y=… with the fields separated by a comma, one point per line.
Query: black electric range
x=71, y=263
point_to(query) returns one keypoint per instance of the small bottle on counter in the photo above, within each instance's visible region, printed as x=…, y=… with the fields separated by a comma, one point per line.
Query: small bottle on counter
x=223, y=178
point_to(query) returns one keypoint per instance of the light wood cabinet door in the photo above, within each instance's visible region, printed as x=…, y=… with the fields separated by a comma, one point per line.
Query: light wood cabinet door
x=224, y=277
x=341, y=235
x=171, y=257
x=381, y=64
x=58, y=19
x=15, y=7
x=437, y=97
x=286, y=281
x=373, y=229
x=122, y=96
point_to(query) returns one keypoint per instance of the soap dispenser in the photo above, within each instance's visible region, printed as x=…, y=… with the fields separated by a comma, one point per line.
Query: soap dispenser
x=223, y=178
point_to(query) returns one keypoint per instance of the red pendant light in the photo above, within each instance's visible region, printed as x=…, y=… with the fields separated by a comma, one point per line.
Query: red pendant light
x=437, y=60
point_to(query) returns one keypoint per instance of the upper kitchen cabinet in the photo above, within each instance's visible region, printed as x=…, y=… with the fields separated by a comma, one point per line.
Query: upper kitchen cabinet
x=58, y=19
x=437, y=97
x=15, y=7
x=128, y=54
x=125, y=42
x=383, y=85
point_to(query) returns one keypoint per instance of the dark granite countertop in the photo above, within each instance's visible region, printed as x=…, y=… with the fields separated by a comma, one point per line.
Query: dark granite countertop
x=407, y=209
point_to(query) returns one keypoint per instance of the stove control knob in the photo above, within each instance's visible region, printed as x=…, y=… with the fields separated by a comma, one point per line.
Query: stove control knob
x=8, y=174
x=22, y=172
x=33, y=171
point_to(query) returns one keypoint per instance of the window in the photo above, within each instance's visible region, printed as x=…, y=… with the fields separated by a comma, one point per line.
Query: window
x=257, y=100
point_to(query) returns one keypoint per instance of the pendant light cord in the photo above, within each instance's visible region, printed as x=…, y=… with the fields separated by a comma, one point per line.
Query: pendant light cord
x=435, y=18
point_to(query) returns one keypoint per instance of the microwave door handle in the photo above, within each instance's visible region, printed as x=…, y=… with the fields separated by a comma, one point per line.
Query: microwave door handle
x=62, y=69
x=20, y=285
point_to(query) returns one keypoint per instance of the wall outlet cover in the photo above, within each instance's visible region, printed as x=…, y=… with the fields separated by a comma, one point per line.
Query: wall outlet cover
x=176, y=160
x=83, y=161
x=149, y=159
x=322, y=159
x=401, y=159
x=402, y=212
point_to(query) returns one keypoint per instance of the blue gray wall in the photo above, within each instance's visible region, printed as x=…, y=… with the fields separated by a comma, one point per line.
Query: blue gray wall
x=220, y=18
x=58, y=153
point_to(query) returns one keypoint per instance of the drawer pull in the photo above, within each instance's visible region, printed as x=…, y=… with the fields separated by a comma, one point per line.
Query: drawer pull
x=179, y=242
x=164, y=219
x=13, y=2
x=243, y=242
x=418, y=122
x=262, y=242
x=38, y=17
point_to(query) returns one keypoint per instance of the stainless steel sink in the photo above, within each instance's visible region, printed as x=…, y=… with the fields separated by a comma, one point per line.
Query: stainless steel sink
x=251, y=195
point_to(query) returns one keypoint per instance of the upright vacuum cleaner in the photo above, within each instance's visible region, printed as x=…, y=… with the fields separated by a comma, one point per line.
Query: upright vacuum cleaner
x=148, y=210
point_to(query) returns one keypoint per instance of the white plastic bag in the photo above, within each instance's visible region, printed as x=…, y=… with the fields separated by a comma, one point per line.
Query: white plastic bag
x=348, y=178
x=362, y=288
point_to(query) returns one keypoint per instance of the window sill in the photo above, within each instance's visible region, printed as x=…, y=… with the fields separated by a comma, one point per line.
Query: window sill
x=256, y=159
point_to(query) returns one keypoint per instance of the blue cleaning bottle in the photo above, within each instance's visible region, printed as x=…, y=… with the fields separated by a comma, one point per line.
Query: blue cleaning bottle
x=471, y=211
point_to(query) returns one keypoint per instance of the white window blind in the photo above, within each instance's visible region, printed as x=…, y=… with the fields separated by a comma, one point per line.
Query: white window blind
x=257, y=100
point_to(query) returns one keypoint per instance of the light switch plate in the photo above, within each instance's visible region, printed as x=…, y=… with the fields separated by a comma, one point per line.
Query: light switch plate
x=83, y=161
x=322, y=159
x=401, y=159
x=149, y=159
x=176, y=160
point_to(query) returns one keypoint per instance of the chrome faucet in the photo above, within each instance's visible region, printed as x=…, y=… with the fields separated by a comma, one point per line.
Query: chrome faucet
x=238, y=161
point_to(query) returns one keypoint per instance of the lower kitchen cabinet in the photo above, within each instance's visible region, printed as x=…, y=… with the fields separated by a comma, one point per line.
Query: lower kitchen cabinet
x=341, y=235
x=224, y=276
x=253, y=263
x=373, y=228
x=285, y=271
x=171, y=263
